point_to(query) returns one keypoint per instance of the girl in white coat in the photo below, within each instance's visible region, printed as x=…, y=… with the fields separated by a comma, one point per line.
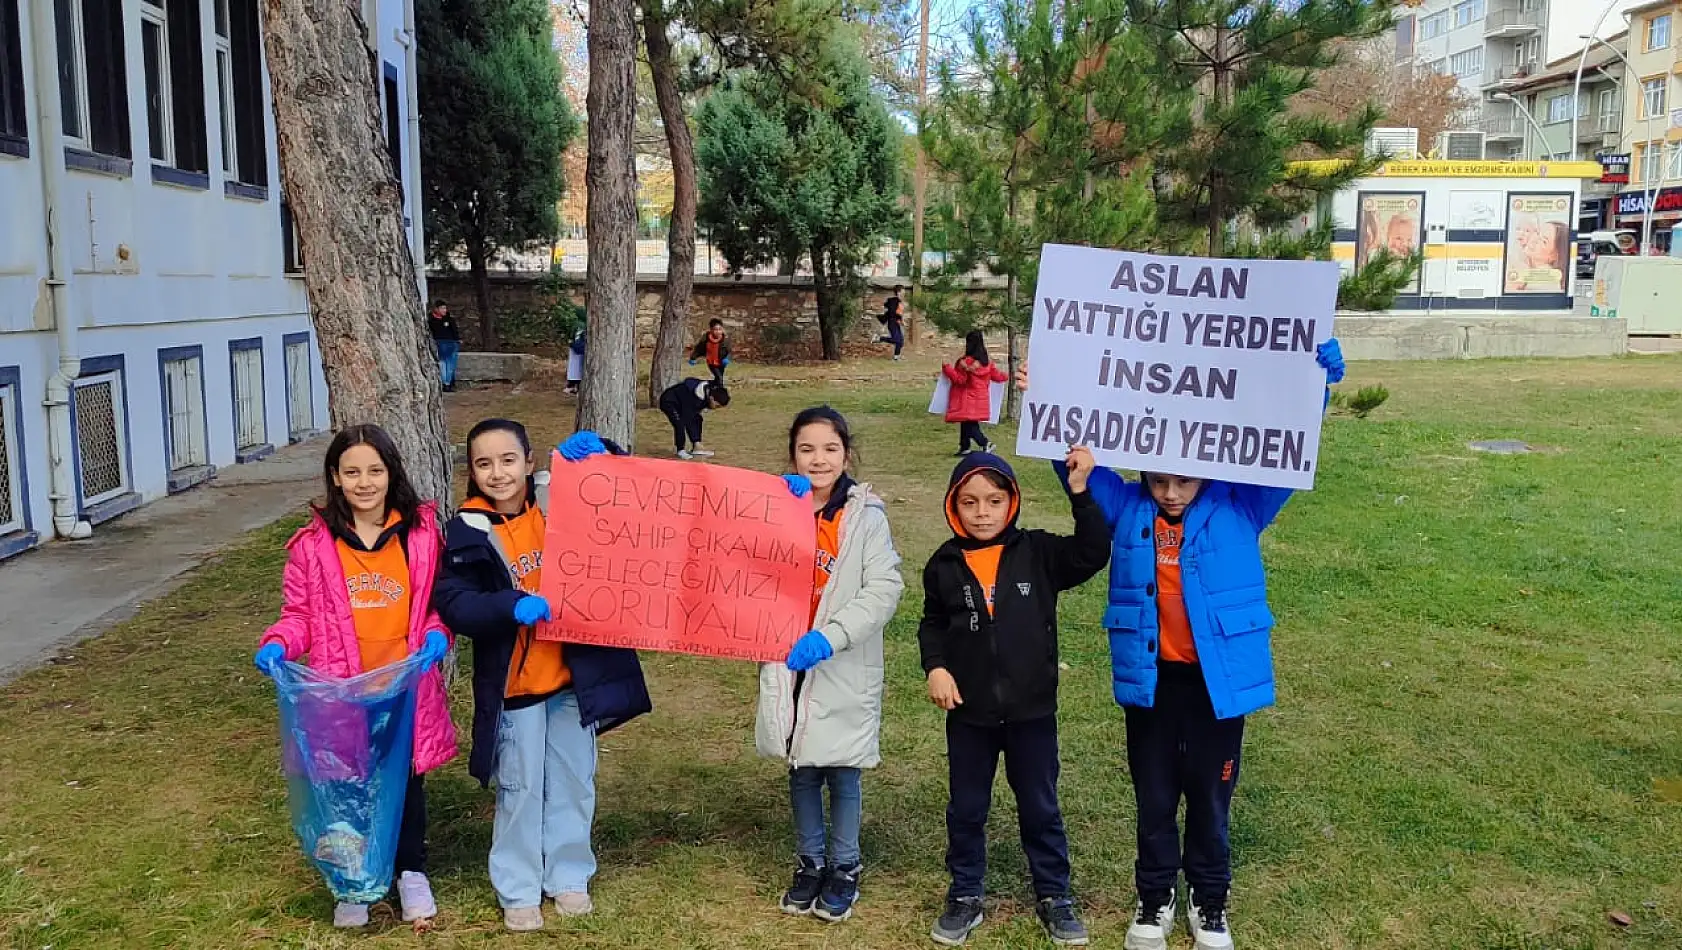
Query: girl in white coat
x=821, y=711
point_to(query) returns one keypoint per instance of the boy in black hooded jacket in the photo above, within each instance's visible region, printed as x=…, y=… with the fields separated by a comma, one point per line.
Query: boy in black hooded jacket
x=989, y=647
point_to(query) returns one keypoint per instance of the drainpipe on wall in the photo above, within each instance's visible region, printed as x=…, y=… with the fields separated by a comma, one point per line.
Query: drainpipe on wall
x=67, y=522
x=411, y=105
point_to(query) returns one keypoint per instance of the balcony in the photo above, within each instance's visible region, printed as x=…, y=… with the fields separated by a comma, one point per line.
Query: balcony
x=1594, y=128
x=1507, y=20
x=1501, y=127
x=1507, y=74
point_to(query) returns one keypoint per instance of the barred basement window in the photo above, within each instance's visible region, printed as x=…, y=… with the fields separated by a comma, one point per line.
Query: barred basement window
x=100, y=437
x=184, y=410
x=249, y=428
x=300, y=399
x=11, y=467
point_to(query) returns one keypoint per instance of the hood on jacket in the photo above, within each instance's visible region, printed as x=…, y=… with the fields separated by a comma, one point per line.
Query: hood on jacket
x=969, y=467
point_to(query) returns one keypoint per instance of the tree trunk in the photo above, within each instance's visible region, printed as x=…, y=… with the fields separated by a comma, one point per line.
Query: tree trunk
x=1013, y=355
x=608, y=402
x=1217, y=188
x=673, y=333
x=489, y=339
x=336, y=174
x=832, y=304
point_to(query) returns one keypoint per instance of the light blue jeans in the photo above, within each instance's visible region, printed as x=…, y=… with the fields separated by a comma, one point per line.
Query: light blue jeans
x=846, y=813
x=545, y=803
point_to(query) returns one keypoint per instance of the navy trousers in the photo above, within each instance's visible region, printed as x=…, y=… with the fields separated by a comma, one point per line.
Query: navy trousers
x=1178, y=750
x=1031, y=767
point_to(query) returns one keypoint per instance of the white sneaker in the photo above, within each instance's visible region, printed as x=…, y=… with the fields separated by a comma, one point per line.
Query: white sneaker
x=574, y=904
x=1151, y=927
x=684, y=454
x=522, y=920
x=414, y=893
x=1208, y=929
x=350, y=916
x=703, y=453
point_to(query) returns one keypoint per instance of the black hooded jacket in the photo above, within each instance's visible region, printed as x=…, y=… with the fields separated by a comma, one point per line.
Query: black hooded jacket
x=1005, y=662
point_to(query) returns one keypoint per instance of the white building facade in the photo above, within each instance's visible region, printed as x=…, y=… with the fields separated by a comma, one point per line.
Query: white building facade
x=154, y=325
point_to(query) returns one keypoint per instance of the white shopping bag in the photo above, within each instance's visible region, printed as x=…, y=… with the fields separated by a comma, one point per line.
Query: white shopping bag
x=575, y=366
x=943, y=395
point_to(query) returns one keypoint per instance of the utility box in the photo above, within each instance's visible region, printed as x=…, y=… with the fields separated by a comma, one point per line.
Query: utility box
x=1645, y=292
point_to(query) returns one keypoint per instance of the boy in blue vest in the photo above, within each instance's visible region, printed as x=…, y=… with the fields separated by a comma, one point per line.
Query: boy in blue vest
x=1189, y=629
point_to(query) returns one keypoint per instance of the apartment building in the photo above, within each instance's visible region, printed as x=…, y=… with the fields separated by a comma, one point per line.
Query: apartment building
x=1553, y=130
x=1493, y=46
x=153, y=322
x=1652, y=132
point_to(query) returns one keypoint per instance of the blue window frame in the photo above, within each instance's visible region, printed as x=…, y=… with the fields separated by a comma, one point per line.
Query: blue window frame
x=250, y=399
x=113, y=465
x=16, y=533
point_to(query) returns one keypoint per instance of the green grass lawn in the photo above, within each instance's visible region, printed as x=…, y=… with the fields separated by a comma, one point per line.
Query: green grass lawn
x=1476, y=743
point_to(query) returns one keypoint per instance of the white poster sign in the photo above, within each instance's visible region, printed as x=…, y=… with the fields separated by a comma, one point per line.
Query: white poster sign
x=943, y=395
x=1187, y=365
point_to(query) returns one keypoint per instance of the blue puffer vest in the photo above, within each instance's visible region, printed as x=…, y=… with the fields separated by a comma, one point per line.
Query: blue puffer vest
x=1225, y=589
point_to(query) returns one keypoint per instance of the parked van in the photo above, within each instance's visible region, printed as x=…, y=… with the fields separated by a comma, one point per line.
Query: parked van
x=1624, y=242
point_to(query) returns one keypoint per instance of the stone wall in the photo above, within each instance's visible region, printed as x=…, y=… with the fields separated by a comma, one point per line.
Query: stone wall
x=767, y=318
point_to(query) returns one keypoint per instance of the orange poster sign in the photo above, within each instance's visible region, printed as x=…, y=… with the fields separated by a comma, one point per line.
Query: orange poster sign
x=674, y=556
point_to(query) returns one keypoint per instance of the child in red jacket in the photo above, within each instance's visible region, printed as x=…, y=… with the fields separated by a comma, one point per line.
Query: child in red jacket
x=971, y=403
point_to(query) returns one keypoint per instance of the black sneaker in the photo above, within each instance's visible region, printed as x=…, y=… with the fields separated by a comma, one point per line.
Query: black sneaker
x=1208, y=923
x=963, y=914
x=840, y=890
x=808, y=882
x=1061, y=923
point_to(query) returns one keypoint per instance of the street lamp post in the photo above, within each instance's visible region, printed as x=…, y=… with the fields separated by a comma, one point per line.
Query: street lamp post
x=1521, y=110
x=1582, y=59
x=1590, y=39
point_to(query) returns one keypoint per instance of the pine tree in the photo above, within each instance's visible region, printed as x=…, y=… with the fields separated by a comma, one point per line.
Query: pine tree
x=786, y=173
x=1248, y=60
x=1043, y=135
x=494, y=124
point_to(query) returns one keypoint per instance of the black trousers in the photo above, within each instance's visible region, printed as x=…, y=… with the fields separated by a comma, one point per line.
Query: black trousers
x=1178, y=750
x=411, y=835
x=718, y=373
x=971, y=432
x=1031, y=767
x=686, y=427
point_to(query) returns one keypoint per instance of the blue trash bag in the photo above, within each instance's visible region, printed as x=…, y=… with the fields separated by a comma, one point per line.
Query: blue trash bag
x=347, y=748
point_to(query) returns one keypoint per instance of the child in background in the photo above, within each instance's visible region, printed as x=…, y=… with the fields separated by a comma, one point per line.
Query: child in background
x=971, y=402
x=683, y=405
x=537, y=706
x=714, y=348
x=575, y=359
x=821, y=711
x=989, y=648
x=446, y=339
x=1189, y=630
x=893, y=322
x=357, y=591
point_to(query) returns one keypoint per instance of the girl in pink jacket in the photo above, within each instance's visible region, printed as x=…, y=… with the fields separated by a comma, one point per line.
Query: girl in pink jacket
x=971, y=401
x=357, y=590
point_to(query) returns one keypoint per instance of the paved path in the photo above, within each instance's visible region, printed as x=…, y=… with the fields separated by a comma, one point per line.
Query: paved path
x=68, y=591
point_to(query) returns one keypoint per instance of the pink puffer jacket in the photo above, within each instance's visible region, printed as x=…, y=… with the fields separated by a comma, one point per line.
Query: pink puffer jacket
x=315, y=620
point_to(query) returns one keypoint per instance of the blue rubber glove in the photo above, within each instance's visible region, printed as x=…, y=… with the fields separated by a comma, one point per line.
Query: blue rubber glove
x=692, y=362
x=809, y=651
x=798, y=485
x=530, y=609
x=433, y=649
x=726, y=361
x=1330, y=357
x=581, y=445
x=269, y=658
